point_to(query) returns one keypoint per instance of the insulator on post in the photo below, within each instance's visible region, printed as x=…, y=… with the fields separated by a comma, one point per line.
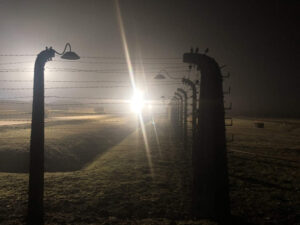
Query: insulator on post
x=231, y=122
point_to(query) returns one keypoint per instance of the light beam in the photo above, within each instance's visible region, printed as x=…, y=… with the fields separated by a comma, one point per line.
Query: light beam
x=133, y=84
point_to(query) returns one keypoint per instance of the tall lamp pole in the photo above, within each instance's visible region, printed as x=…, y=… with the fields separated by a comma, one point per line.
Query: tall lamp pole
x=194, y=110
x=179, y=96
x=177, y=110
x=163, y=74
x=173, y=109
x=36, y=167
x=210, y=172
x=185, y=115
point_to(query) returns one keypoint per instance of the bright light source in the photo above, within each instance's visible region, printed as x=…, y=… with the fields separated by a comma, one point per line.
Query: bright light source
x=137, y=102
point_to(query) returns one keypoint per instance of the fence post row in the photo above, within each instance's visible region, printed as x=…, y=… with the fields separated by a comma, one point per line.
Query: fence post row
x=185, y=98
x=194, y=110
x=210, y=175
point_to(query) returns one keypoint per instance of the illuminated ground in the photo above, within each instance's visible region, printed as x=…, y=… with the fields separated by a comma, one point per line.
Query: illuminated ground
x=117, y=187
x=70, y=141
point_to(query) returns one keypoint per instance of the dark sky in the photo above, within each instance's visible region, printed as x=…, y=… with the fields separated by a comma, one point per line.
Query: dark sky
x=257, y=40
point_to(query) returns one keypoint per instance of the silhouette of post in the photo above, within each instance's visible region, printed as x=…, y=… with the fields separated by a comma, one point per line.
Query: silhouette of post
x=185, y=97
x=36, y=167
x=181, y=108
x=173, y=109
x=194, y=111
x=177, y=110
x=210, y=175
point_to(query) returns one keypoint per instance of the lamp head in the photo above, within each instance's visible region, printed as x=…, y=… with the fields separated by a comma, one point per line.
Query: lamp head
x=70, y=56
x=159, y=77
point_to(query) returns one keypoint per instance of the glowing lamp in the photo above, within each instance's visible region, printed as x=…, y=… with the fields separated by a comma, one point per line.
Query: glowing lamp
x=137, y=102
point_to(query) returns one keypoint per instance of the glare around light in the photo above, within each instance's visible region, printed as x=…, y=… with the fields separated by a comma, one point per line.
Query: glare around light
x=137, y=102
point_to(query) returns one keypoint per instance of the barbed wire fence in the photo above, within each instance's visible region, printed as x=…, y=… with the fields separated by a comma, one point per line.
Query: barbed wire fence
x=106, y=66
x=112, y=67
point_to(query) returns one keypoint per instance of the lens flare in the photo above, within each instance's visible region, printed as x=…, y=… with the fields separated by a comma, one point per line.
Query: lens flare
x=138, y=99
x=137, y=102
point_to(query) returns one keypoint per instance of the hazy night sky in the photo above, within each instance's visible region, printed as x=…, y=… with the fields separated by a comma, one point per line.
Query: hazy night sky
x=257, y=41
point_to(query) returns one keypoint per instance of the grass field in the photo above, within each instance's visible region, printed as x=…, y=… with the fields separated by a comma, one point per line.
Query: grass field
x=114, y=184
x=70, y=141
x=264, y=169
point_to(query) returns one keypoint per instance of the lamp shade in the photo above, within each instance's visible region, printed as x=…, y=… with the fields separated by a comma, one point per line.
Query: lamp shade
x=70, y=56
x=159, y=77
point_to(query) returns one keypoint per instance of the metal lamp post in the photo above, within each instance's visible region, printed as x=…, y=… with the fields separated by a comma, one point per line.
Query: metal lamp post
x=179, y=96
x=36, y=167
x=177, y=110
x=185, y=115
x=210, y=172
x=192, y=85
